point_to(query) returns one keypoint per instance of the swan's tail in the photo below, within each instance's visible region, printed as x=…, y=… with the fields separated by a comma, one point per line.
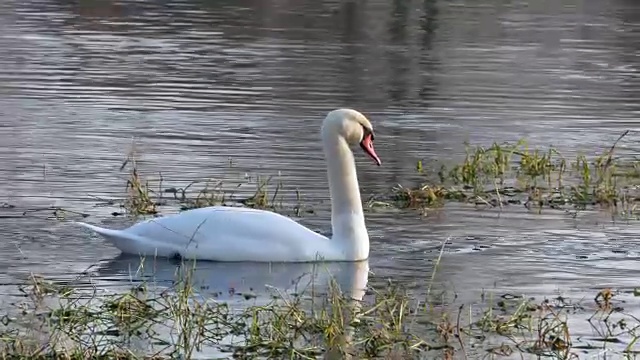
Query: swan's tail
x=124, y=241
x=107, y=233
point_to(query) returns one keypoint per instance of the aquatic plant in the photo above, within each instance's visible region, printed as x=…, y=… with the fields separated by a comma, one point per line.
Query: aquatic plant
x=506, y=174
x=68, y=320
x=143, y=200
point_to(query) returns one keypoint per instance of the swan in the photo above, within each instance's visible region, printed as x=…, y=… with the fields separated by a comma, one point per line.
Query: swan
x=231, y=234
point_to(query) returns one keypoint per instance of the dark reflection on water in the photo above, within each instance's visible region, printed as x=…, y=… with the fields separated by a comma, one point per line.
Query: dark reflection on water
x=199, y=82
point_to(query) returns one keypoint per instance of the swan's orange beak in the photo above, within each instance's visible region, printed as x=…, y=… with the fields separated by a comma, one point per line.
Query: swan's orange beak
x=367, y=145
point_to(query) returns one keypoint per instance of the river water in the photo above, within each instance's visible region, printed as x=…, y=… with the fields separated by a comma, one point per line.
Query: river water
x=202, y=85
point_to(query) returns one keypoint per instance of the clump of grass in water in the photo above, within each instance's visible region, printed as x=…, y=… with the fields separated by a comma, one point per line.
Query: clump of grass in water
x=142, y=200
x=139, y=196
x=505, y=174
x=260, y=199
x=212, y=194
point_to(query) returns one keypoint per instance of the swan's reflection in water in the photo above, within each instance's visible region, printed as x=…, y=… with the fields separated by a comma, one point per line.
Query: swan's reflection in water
x=241, y=285
x=229, y=281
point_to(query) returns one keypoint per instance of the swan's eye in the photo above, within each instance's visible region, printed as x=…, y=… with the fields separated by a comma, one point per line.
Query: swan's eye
x=367, y=132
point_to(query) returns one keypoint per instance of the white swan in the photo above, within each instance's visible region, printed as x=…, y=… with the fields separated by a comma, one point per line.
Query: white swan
x=220, y=233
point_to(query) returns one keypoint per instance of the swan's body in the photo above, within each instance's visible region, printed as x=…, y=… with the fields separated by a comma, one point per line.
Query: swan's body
x=222, y=233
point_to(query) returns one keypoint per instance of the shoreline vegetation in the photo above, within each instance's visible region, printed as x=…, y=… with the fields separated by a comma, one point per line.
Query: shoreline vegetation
x=60, y=320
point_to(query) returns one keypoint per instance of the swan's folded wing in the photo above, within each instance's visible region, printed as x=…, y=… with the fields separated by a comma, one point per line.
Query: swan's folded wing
x=232, y=234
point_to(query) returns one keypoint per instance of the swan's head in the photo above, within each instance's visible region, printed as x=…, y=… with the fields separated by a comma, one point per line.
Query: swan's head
x=352, y=126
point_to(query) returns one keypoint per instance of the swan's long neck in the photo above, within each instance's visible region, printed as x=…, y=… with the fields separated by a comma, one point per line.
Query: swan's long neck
x=347, y=218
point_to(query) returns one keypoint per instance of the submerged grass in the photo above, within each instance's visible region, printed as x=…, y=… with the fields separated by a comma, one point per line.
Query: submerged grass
x=59, y=320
